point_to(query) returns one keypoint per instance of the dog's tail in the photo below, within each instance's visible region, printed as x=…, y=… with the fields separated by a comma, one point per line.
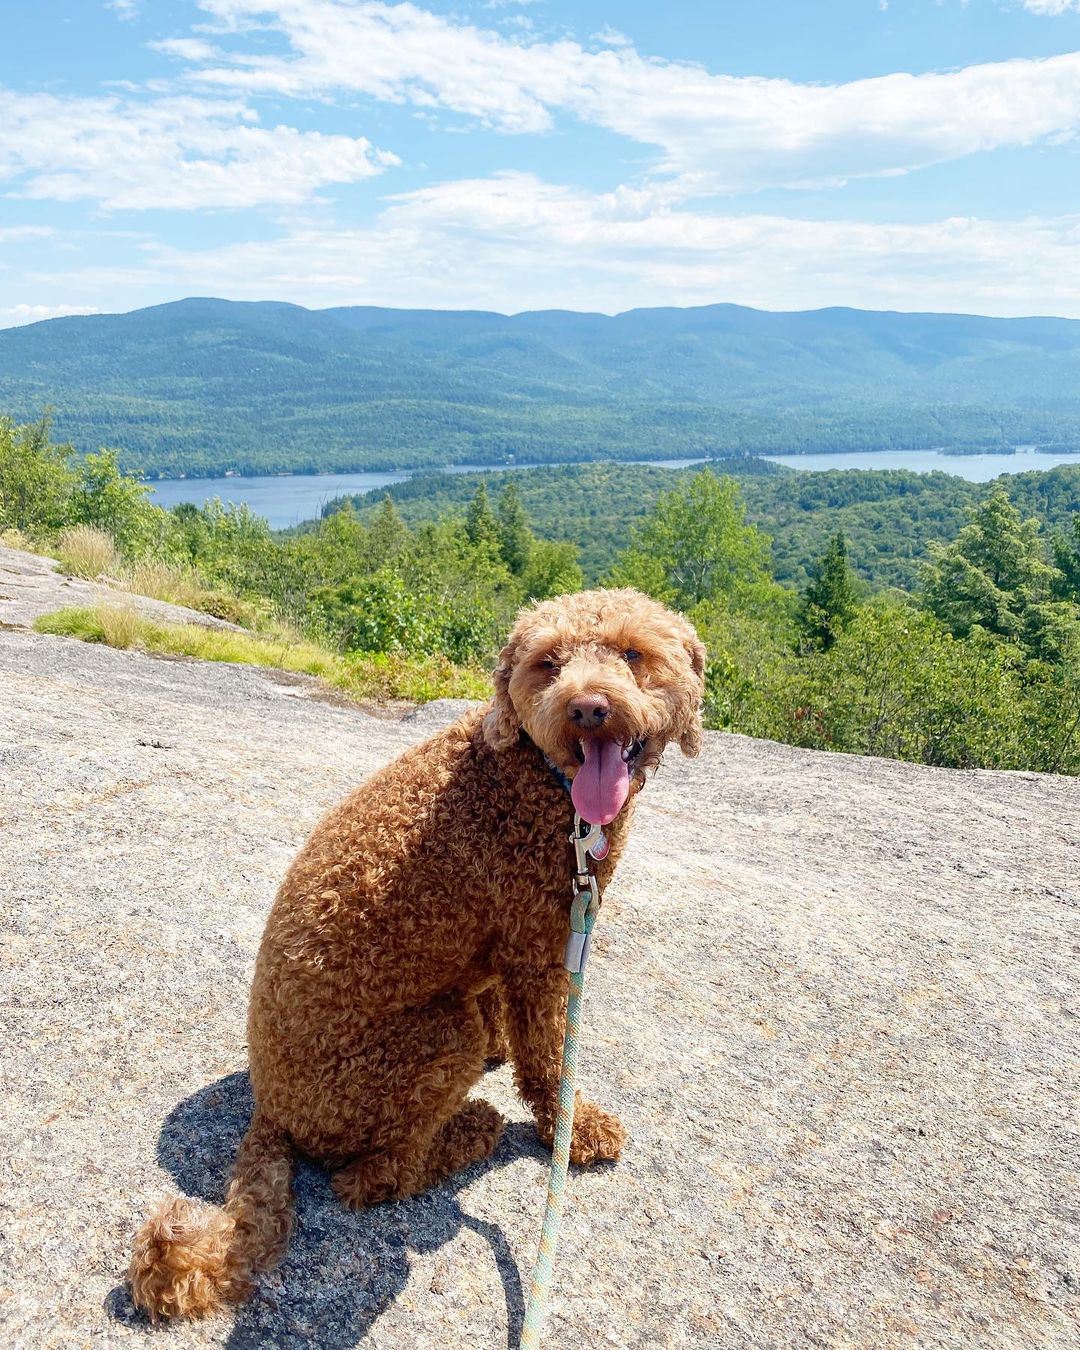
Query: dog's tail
x=190, y=1258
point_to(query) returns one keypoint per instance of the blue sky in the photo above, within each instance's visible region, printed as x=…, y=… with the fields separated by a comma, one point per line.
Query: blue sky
x=523, y=154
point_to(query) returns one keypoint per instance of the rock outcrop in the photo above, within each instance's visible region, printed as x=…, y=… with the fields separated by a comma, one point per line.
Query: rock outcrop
x=32, y=585
x=834, y=1000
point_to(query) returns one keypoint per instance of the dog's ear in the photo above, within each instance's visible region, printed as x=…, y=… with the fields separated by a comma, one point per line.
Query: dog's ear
x=502, y=726
x=690, y=736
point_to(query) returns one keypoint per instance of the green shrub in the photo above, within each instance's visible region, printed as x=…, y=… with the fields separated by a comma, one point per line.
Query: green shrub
x=36, y=479
x=897, y=683
x=379, y=677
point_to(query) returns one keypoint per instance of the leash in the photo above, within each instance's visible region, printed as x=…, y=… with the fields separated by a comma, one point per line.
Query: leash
x=589, y=843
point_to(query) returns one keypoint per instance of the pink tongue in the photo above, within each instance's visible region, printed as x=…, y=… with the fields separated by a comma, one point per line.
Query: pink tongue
x=602, y=784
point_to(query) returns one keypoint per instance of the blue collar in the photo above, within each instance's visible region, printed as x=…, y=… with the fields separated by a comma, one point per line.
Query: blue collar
x=553, y=768
x=556, y=772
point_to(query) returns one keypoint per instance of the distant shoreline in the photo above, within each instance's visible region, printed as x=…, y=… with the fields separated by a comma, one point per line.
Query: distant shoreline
x=286, y=500
x=949, y=452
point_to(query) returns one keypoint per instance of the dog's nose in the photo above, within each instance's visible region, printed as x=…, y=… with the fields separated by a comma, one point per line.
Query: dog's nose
x=588, y=711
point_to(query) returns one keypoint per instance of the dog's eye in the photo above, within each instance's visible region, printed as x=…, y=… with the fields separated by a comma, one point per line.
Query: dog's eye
x=548, y=664
x=631, y=655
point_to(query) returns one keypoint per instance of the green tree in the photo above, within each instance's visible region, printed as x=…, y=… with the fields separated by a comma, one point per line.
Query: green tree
x=481, y=527
x=831, y=597
x=1067, y=561
x=119, y=504
x=515, y=537
x=897, y=683
x=752, y=670
x=697, y=546
x=994, y=576
x=552, y=570
x=332, y=552
x=379, y=613
x=36, y=478
x=387, y=537
x=230, y=547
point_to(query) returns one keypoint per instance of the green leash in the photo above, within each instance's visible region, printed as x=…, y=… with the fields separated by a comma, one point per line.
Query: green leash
x=583, y=911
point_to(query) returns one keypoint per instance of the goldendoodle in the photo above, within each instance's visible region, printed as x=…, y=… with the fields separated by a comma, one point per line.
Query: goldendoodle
x=420, y=932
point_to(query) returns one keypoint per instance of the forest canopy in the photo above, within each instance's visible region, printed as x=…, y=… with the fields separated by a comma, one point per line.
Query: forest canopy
x=975, y=664
x=204, y=386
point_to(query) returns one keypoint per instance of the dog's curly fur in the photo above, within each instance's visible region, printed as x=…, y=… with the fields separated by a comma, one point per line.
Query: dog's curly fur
x=418, y=934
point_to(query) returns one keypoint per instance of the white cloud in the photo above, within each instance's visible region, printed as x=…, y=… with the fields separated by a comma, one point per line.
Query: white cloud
x=172, y=153
x=716, y=132
x=1051, y=7
x=124, y=9
x=186, y=49
x=514, y=242
x=21, y=234
x=16, y=315
x=611, y=37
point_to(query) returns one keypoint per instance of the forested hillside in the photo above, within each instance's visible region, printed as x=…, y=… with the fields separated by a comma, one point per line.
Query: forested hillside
x=979, y=665
x=203, y=386
x=888, y=516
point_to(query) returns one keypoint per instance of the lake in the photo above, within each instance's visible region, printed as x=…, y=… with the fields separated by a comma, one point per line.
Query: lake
x=289, y=499
x=283, y=501
x=975, y=468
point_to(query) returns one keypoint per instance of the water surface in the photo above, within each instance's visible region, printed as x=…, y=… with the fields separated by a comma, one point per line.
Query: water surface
x=975, y=468
x=288, y=499
x=283, y=500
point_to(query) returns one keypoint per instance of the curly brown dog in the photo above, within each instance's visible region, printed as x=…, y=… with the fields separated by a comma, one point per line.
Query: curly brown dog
x=420, y=931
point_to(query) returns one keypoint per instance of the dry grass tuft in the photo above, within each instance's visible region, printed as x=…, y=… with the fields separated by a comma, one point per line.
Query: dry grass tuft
x=86, y=552
x=119, y=625
x=163, y=581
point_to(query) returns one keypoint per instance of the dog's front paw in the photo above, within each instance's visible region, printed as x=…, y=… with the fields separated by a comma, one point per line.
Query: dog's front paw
x=598, y=1135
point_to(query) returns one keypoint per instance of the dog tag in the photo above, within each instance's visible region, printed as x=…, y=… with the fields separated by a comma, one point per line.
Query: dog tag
x=599, y=850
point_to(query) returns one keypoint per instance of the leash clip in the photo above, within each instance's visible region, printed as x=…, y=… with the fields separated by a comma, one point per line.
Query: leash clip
x=588, y=841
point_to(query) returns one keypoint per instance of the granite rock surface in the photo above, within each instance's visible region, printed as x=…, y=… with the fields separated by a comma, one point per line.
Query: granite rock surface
x=835, y=1001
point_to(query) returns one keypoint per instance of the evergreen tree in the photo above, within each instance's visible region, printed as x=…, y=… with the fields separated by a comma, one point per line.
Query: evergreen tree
x=387, y=536
x=1067, y=560
x=515, y=537
x=481, y=527
x=831, y=598
x=994, y=576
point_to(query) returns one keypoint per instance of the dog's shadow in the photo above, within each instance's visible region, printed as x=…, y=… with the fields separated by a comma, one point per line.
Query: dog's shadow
x=343, y=1268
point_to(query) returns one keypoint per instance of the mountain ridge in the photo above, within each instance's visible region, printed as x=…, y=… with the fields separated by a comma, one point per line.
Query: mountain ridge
x=202, y=385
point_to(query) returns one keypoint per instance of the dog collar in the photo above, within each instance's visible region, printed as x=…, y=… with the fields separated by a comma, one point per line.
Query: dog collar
x=556, y=772
x=552, y=767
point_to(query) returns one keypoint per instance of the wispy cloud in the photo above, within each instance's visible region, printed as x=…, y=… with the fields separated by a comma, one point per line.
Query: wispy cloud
x=677, y=233
x=1051, y=7
x=186, y=49
x=717, y=133
x=174, y=153
x=16, y=315
x=22, y=234
x=515, y=242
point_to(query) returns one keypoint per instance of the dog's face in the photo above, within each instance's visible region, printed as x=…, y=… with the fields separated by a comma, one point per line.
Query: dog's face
x=601, y=682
